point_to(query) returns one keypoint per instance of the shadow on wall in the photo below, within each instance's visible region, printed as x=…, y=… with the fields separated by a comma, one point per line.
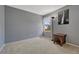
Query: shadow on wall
x=21, y=24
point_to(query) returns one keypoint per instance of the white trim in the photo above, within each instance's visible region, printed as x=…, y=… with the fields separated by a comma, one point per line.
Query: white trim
x=73, y=45
x=1, y=48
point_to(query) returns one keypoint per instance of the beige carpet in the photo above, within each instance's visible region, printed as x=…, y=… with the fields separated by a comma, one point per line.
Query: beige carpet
x=38, y=46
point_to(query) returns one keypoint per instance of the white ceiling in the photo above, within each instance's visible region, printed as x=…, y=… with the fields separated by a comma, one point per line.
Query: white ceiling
x=38, y=9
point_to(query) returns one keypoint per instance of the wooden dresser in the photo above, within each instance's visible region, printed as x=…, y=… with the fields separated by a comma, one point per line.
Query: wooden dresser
x=59, y=38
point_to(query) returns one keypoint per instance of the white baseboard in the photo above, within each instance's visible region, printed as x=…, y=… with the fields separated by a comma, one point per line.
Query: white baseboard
x=73, y=44
x=1, y=48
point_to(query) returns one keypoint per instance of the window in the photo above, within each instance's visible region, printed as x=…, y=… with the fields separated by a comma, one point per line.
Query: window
x=47, y=24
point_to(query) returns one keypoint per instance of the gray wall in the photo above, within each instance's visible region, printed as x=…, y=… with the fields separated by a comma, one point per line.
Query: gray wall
x=21, y=24
x=2, y=31
x=71, y=29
